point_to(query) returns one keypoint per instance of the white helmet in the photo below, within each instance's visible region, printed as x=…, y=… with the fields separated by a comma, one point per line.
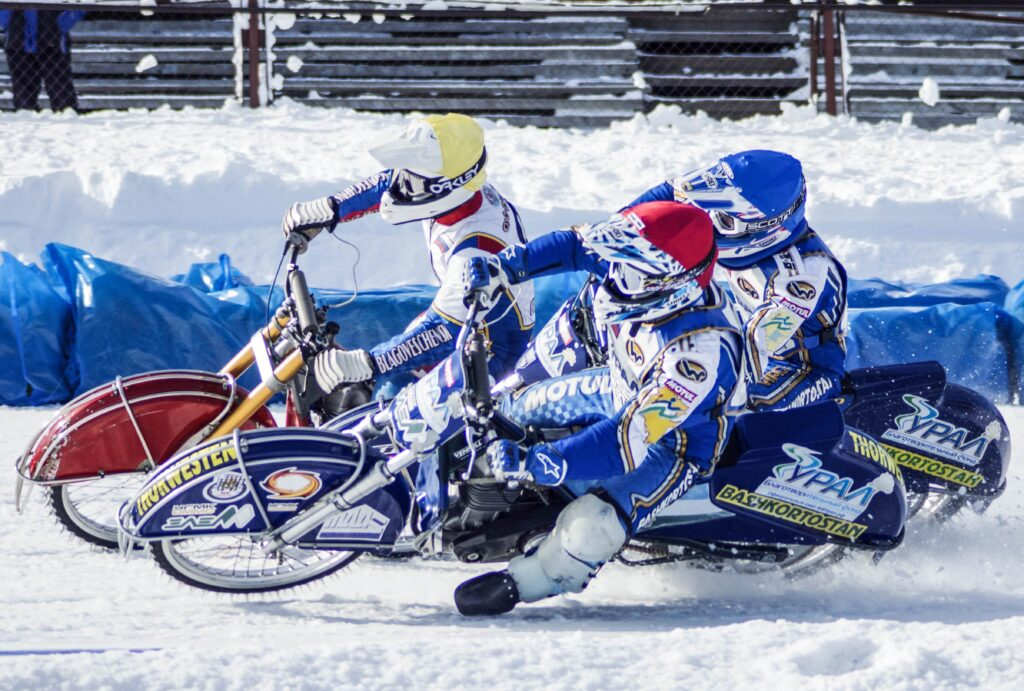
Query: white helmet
x=437, y=164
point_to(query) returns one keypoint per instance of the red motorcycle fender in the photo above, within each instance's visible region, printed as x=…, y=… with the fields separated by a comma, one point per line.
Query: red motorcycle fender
x=131, y=425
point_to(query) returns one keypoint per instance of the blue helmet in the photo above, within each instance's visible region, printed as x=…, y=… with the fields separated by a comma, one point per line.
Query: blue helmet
x=756, y=201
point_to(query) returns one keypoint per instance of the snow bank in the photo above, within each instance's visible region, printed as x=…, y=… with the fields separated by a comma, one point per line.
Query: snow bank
x=159, y=190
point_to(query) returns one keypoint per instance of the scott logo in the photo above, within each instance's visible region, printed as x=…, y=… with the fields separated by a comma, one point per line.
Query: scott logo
x=802, y=290
x=923, y=429
x=694, y=371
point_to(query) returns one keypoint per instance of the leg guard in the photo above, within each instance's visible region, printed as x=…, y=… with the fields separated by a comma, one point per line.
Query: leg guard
x=587, y=533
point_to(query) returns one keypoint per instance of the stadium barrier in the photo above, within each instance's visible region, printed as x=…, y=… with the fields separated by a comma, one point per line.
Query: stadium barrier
x=82, y=320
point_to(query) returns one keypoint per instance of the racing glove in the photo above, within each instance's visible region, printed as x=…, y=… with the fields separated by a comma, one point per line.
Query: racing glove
x=540, y=464
x=484, y=274
x=307, y=219
x=335, y=367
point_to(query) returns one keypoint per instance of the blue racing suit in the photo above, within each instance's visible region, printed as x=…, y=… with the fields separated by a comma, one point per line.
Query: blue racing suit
x=484, y=225
x=671, y=381
x=792, y=298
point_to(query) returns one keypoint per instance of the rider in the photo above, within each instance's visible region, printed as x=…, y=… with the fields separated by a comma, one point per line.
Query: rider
x=435, y=174
x=789, y=287
x=674, y=358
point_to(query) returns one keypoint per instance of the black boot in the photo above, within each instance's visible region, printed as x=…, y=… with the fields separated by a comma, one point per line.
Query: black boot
x=489, y=594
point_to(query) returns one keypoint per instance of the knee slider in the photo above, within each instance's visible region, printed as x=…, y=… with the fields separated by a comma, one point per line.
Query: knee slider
x=587, y=533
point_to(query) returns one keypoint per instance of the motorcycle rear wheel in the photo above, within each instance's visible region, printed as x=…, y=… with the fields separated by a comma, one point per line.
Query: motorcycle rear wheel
x=88, y=510
x=934, y=506
x=238, y=564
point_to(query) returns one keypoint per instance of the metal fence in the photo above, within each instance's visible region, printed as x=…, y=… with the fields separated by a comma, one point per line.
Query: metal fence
x=557, y=65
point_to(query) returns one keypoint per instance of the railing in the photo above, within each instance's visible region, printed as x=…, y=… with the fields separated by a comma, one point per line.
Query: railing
x=552, y=65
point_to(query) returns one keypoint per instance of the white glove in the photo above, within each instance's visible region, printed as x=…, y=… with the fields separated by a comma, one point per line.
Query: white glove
x=335, y=367
x=486, y=274
x=309, y=218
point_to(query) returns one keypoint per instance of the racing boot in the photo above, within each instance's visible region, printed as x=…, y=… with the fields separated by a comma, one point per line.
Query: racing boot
x=588, y=533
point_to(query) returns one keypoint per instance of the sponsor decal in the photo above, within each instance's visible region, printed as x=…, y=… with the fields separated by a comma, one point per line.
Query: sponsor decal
x=280, y=506
x=924, y=430
x=805, y=482
x=689, y=477
x=801, y=290
x=935, y=468
x=359, y=523
x=681, y=391
x=551, y=468
x=193, y=509
x=872, y=450
x=778, y=328
x=636, y=355
x=798, y=310
x=194, y=465
x=225, y=487
x=231, y=517
x=554, y=390
x=660, y=412
x=415, y=345
x=816, y=391
x=748, y=288
x=692, y=370
x=769, y=506
x=291, y=483
x=635, y=221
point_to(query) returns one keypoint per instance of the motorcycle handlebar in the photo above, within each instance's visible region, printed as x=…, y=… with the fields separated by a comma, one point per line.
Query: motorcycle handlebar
x=303, y=301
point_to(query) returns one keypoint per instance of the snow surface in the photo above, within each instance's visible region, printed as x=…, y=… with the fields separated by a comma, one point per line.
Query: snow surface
x=943, y=611
x=159, y=190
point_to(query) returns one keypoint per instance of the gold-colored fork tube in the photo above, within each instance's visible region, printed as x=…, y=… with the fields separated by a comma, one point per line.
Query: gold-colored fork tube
x=241, y=361
x=259, y=396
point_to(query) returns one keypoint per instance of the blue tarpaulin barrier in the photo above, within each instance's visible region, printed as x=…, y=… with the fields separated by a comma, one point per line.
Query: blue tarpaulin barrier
x=34, y=337
x=977, y=344
x=86, y=320
x=874, y=292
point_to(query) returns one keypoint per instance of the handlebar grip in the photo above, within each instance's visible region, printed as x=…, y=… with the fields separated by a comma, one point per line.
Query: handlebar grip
x=303, y=301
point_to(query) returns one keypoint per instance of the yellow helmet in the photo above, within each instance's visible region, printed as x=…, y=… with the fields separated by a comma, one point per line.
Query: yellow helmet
x=437, y=164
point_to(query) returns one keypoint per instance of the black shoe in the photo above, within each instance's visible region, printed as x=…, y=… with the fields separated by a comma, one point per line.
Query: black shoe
x=489, y=594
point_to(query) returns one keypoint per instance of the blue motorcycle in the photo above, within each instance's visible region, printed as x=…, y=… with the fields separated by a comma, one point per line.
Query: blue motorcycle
x=265, y=510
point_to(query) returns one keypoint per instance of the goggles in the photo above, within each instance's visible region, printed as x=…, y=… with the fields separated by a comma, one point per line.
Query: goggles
x=730, y=226
x=408, y=187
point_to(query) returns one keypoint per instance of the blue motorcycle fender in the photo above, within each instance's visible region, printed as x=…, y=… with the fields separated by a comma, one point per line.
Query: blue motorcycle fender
x=844, y=488
x=253, y=482
x=949, y=437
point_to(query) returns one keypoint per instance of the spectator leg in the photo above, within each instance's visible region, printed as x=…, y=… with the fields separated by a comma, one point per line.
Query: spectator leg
x=25, y=79
x=57, y=74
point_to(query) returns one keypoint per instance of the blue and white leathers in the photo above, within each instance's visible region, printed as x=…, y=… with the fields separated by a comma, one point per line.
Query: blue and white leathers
x=483, y=225
x=792, y=298
x=670, y=383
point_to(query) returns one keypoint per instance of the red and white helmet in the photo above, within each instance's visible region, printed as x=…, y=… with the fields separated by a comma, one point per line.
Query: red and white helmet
x=661, y=257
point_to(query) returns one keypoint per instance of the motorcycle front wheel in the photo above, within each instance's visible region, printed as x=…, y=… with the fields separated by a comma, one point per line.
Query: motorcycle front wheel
x=238, y=563
x=88, y=510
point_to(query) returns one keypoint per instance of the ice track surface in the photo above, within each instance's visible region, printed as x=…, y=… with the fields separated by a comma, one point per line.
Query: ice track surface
x=946, y=610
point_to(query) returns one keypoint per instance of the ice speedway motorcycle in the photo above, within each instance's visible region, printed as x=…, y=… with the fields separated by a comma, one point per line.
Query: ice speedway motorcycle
x=263, y=510
x=93, y=453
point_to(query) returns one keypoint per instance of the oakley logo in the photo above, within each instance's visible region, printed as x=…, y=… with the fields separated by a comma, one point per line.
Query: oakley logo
x=449, y=184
